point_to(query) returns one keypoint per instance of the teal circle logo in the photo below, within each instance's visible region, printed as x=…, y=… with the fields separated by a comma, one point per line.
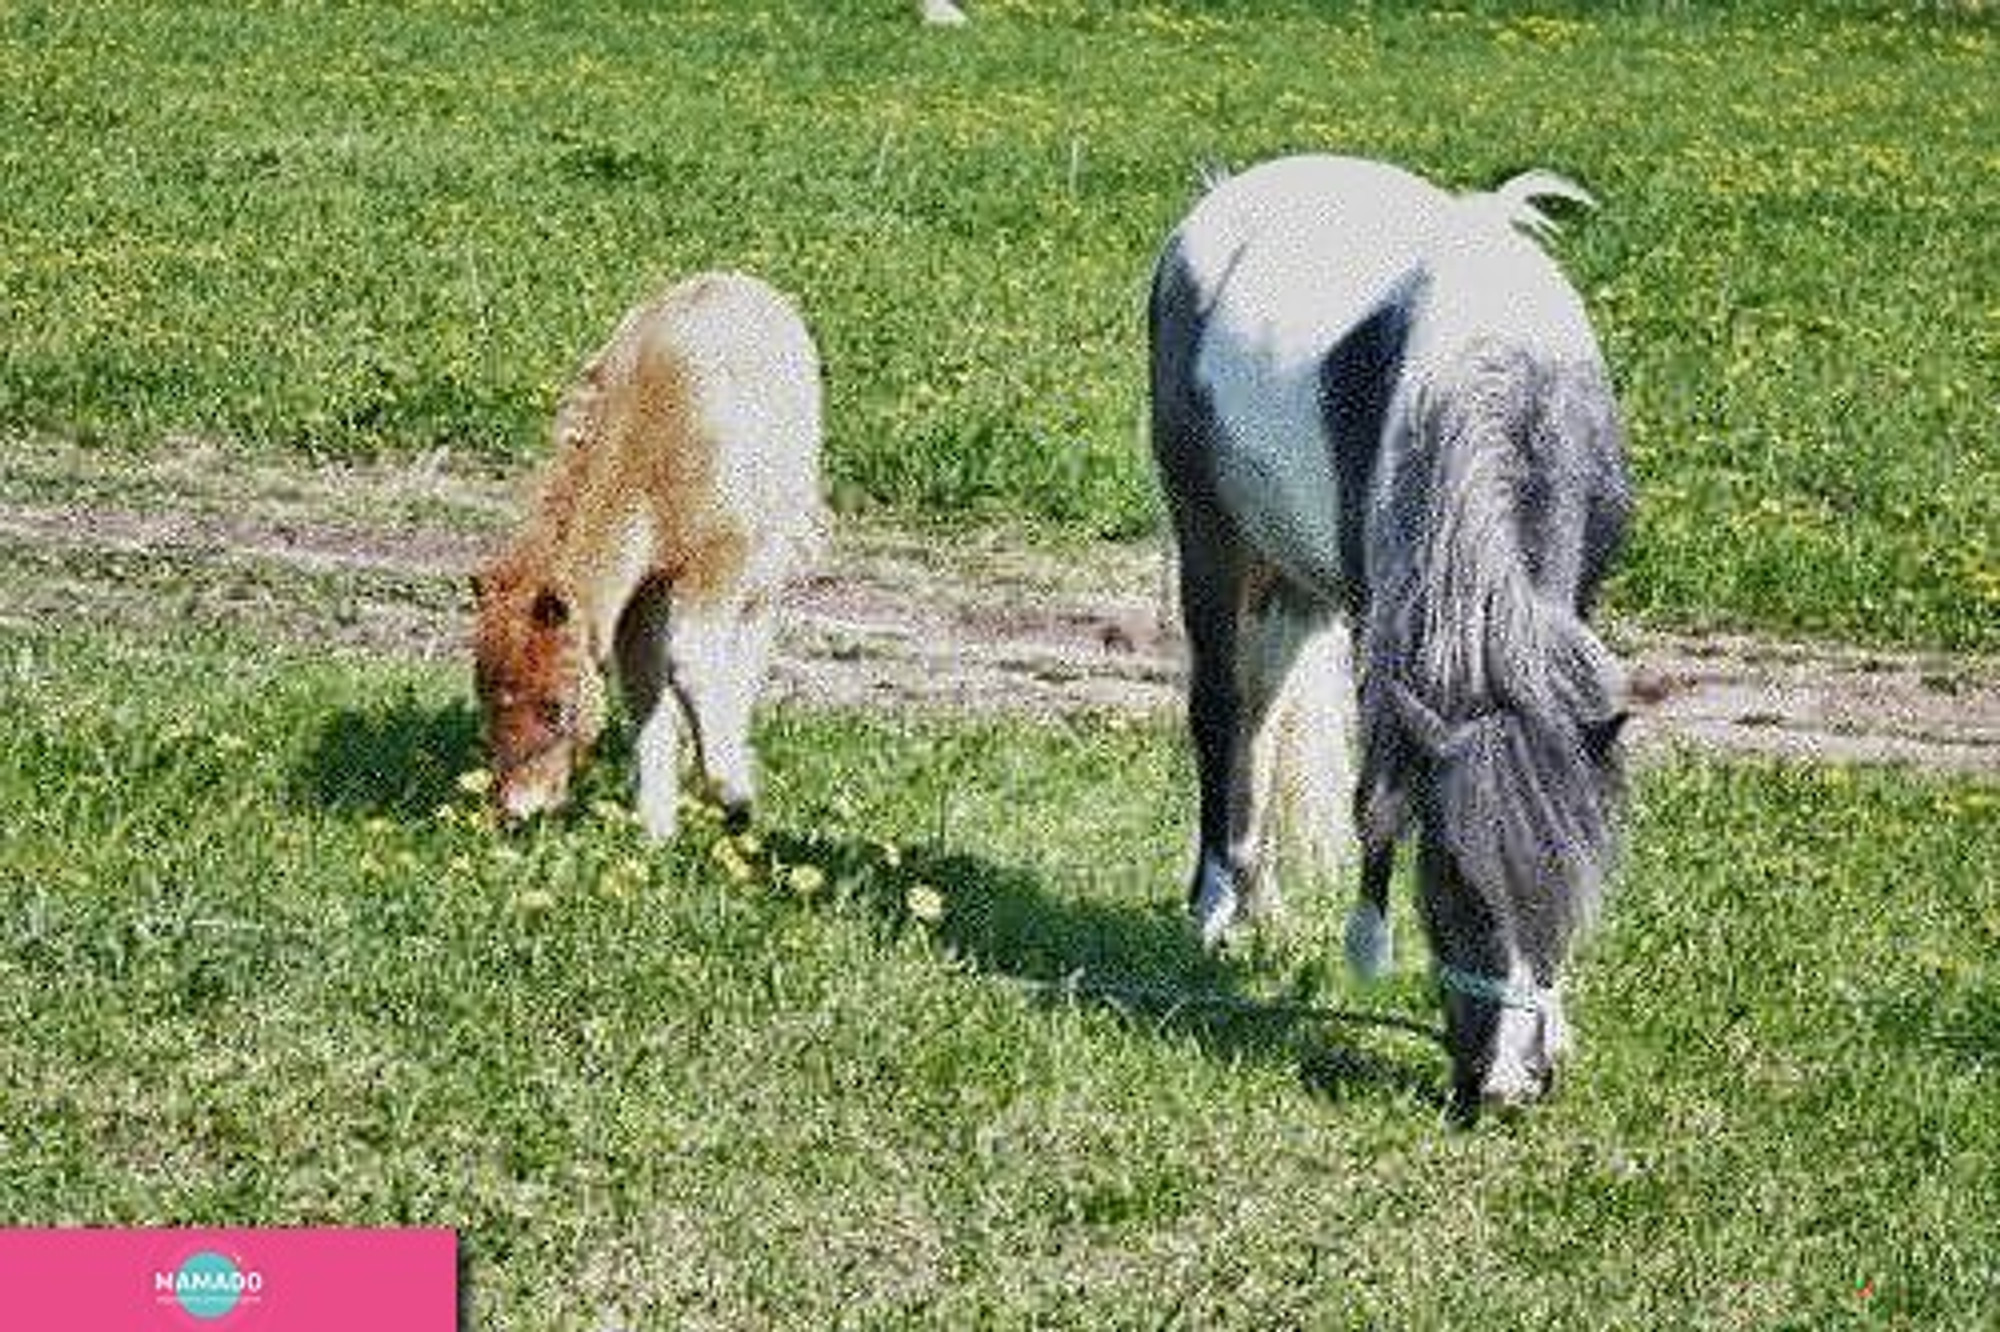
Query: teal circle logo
x=208, y=1285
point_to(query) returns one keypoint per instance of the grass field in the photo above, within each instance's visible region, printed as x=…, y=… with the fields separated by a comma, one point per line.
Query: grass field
x=299, y=984
x=935, y=1047
x=340, y=231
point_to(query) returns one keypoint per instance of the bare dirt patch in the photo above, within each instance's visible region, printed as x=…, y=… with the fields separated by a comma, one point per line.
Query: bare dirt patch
x=375, y=559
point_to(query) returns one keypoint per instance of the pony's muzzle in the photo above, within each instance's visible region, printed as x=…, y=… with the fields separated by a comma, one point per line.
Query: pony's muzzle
x=534, y=788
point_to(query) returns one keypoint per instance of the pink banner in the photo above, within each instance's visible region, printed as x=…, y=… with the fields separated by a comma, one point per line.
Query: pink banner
x=97, y=1280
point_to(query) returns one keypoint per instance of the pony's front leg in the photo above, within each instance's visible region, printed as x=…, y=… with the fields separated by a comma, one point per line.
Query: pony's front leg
x=642, y=673
x=718, y=657
x=1381, y=815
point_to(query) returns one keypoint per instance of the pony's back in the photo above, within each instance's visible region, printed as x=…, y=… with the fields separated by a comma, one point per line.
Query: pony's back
x=1489, y=280
x=1277, y=311
x=703, y=409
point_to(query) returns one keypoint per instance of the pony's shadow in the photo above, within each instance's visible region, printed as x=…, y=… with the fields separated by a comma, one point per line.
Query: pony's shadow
x=403, y=759
x=400, y=760
x=1141, y=963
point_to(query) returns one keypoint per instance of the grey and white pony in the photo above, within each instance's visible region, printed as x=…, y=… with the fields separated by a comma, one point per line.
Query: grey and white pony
x=1379, y=405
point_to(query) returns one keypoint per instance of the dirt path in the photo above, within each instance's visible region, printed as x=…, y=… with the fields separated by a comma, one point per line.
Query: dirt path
x=375, y=560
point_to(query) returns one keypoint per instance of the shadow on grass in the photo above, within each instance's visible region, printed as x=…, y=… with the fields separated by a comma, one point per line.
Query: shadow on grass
x=1961, y=1025
x=403, y=759
x=1141, y=963
x=400, y=760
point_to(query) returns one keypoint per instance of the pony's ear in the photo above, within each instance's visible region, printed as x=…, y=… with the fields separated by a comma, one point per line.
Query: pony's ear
x=1599, y=736
x=1423, y=726
x=550, y=611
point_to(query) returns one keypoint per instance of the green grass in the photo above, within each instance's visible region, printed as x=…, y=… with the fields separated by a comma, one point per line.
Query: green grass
x=258, y=965
x=387, y=230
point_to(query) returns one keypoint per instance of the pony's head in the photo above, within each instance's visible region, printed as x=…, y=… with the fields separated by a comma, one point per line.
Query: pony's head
x=539, y=690
x=1516, y=822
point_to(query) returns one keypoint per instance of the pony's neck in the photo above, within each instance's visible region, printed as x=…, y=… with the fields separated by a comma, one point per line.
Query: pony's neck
x=593, y=537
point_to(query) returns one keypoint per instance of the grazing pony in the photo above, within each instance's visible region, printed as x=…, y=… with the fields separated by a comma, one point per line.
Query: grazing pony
x=684, y=493
x=1378, y=405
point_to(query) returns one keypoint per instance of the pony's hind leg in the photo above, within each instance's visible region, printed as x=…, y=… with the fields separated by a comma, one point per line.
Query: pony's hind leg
x=1244, y=631
x=1208, y=596
x=643, y=675
x=718, y=655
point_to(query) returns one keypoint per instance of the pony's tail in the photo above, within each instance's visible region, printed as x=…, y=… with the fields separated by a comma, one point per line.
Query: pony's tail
x=1513, y=202
x=1308, y=836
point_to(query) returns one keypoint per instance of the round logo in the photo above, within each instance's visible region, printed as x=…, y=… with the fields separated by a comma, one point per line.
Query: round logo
x=208, y=1285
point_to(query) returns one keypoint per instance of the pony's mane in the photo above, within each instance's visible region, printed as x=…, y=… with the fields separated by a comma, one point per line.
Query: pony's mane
x=1509, y=686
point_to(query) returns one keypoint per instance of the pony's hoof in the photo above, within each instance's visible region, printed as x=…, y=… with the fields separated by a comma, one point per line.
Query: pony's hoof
x=1370, y=945
x=1214, y=908
x=659, y=818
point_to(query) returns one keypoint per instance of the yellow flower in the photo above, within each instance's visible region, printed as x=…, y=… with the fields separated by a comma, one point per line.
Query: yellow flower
x=475, y=781
x=805, y=880
x=725, y=854
x=535, y=901
x=608, y=811
x=622, y=878
x=925, y=903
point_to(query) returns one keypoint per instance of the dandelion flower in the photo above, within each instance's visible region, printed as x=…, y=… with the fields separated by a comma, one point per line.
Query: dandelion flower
x=725, y=854
x=925, y=903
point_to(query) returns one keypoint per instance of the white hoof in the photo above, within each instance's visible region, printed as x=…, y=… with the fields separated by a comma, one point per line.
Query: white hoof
x=1371, y=950
x=659, y=812
x=1215, y=906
